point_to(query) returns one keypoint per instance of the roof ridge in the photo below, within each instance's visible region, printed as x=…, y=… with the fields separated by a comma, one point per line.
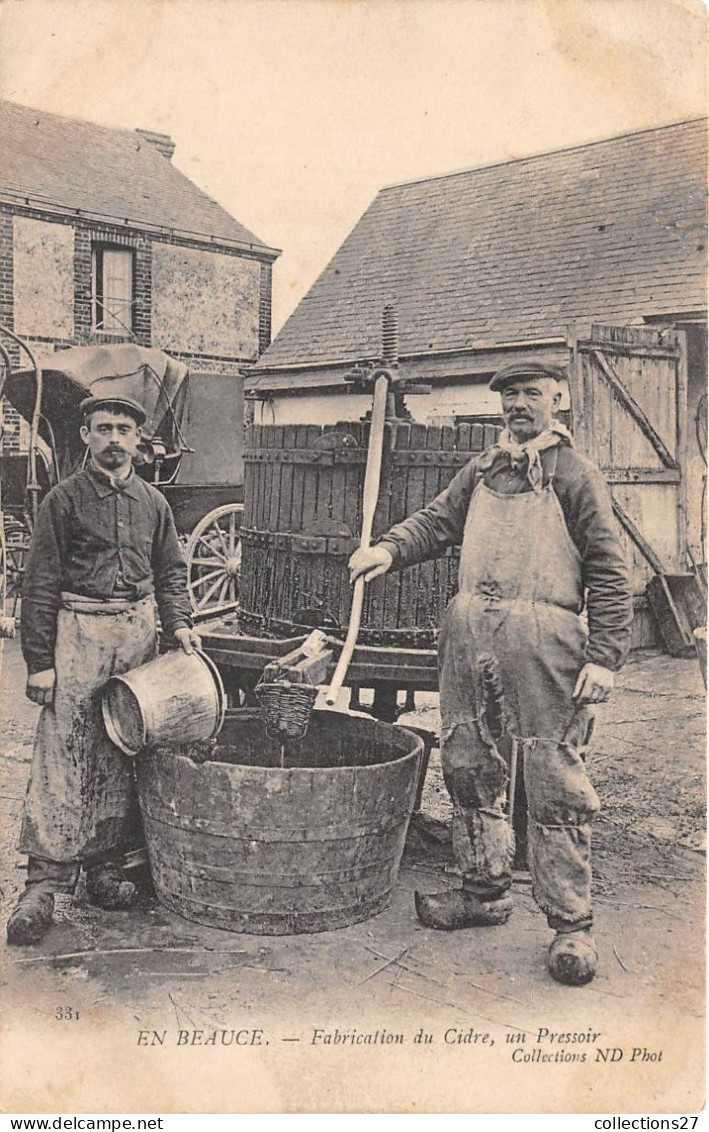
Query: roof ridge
x=109, y=173
x=544, y=153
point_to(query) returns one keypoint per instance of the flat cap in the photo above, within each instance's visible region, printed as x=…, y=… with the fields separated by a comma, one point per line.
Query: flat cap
x=122, y=404
x=524, y=369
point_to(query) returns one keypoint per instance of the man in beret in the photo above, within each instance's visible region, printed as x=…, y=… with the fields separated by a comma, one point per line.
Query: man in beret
x=519, y=674
x=104, y=551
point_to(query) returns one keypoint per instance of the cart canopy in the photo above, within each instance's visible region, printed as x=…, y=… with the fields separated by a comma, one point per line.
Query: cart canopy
x=156, y=381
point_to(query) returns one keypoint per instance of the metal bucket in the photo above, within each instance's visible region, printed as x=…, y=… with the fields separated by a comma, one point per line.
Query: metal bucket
x=238, y=841
x=176, y=696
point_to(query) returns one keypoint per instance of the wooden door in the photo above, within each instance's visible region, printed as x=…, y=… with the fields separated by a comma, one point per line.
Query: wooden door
x=628, y=400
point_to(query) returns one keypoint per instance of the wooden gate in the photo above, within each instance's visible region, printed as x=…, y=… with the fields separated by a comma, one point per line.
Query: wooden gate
x=628, y=388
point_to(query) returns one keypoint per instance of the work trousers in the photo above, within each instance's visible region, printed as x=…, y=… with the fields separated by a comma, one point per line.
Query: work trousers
x=506, y=681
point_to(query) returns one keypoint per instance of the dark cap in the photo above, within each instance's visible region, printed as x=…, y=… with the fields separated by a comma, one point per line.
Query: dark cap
x=119, y=404
x=524, y=369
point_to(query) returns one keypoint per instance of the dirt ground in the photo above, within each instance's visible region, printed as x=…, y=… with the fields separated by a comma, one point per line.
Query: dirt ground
x=386, y=1016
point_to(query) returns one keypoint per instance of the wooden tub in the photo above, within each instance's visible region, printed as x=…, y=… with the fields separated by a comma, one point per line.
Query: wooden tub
x=238, y=841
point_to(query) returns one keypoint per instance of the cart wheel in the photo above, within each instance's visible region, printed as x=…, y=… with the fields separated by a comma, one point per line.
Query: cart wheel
x=213, y=555
x=3, y=581
x=17, y=544
x=7, y=624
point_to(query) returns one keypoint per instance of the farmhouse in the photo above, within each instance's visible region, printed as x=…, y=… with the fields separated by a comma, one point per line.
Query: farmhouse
x=103, y=240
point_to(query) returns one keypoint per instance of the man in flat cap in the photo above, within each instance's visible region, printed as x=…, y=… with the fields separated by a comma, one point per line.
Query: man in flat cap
x=519, y=674
x=103, y=552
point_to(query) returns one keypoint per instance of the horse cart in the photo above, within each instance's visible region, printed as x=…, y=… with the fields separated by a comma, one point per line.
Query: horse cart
x=192, y=450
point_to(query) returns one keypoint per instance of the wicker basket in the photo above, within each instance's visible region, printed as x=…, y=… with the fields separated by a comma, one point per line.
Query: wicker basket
x=286, y=708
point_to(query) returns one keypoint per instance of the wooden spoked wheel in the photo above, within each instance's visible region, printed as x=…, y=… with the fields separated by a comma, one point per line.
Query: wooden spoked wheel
x=7, y=623
x=17, y=539
x=3, y=580
x=213, y=555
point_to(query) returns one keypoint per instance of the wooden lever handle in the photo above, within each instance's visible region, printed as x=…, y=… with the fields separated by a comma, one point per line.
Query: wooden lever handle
x=370, y=498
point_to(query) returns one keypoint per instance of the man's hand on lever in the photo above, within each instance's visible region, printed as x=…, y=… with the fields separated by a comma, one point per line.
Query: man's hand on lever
x=594, y=684
x=370, y=561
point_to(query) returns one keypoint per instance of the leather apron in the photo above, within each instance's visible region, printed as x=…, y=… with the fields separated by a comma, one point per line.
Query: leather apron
x=510, y=651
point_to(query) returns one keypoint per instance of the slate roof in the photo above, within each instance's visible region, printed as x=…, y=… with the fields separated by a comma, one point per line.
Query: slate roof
x=108, y=174
x=514, y=252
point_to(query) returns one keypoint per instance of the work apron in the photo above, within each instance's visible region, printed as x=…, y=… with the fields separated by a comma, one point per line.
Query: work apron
x=80, y=801
x=510, y=651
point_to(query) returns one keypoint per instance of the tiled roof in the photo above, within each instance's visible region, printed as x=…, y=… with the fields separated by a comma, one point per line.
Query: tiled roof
x=106, y=173
x=515, y=252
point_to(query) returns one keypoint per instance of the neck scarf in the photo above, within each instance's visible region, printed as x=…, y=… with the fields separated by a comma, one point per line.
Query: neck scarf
x=529, y=452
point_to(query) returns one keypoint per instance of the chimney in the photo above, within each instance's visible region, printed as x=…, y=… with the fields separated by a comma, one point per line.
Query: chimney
x=162, y=142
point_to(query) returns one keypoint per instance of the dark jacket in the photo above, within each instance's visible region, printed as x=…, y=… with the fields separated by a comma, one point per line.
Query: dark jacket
x=99, y=540
x=586, y=503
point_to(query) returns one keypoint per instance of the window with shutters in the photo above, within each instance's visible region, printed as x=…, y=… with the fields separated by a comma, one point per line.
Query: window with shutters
x=113, y=273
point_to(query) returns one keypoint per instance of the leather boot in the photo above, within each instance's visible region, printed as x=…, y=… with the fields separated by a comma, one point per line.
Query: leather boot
x=573, y=958
x=32, y=918
x=107, y=887
x=447, y=911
